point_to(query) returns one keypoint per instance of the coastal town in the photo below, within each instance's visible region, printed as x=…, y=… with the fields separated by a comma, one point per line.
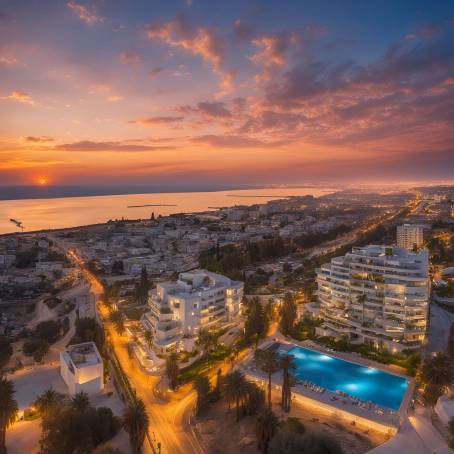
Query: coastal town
x=335, y=314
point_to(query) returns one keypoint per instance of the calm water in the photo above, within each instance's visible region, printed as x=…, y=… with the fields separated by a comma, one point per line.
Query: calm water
x=368, y=384
x=38, y=214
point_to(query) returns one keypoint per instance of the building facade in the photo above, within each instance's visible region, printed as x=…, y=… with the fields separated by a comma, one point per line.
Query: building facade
x=198, y=299
x=375, y=294
x=82, y=369
x=410, y=236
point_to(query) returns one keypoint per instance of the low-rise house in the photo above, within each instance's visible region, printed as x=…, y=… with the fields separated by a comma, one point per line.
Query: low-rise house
x=81, y=368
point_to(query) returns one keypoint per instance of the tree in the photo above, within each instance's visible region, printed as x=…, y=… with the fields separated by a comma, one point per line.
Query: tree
x=268, y=360
x=116, y=318
x=80, y=402
x=203, y=389
x=235, y=389
x=118, y=267
x=149, y=337
x=437, y=374
x=5, y=351
x=255, y=399
x=49, y=331
x=75, y=431
x=266, y=426
x=172, y=370
x=142, y=287
x=37, y=348
x=135, y=423
x=255, y=324
x=207, y=340
x=287, y=363
x=288, y=314
x=48, y=402
x=8, y=410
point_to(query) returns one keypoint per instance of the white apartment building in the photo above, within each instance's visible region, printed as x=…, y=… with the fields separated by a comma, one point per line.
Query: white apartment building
x=198, y=299
x=410, y=236
x=375, y=294
x=82, y=369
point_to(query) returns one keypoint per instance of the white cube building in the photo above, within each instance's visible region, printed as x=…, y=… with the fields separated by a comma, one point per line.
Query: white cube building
x=82, y=369
x=199, y=299
x=410, y=236
x=375, y=294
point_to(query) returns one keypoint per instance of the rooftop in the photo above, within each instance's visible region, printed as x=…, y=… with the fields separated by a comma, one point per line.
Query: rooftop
x=83, y=355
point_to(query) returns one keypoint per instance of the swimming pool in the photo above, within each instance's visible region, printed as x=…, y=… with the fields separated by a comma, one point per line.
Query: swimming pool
x=366, y=383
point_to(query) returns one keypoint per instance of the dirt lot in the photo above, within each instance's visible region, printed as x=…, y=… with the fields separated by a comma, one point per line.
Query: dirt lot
x=220, y=432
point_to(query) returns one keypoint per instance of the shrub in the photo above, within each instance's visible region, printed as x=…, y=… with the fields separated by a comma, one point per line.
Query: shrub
x=37, y=348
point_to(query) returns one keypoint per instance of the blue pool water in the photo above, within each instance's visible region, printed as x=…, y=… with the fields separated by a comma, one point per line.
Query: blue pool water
x=368, y=384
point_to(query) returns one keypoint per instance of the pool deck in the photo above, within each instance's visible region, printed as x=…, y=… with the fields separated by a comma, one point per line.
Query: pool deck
x=341, y=407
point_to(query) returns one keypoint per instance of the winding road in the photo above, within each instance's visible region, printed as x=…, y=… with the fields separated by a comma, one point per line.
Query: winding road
x=169, y=419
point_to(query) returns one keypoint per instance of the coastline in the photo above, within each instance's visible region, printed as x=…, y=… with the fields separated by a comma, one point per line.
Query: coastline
x=53, y=214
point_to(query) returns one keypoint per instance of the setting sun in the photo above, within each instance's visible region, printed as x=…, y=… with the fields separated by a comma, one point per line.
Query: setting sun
x=43, y=181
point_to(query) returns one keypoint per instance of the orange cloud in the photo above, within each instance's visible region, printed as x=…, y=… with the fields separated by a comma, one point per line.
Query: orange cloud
x=88, y=145
x=156, y=120
x=20, y=96
x=85, y=13
x=131, y=57
x=273, y=52
x=38, y=139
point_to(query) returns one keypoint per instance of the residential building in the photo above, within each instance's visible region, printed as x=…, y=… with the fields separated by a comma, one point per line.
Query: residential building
x=410, y=236
x=82, y=369
x=198, y=299
x=375, y=294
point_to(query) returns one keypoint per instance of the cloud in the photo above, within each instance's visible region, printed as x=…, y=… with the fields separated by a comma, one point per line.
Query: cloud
x=156, y=120
x=235, y=141
x=270, y=120
x=155, y=72
x=87, y=145
x=114, y=98
x=131, y=57
x=9, y=61
x=202, y=41
x=272, y=52
x=38, y=139
x=85, y=13
x=210, y=109
x=20, y=96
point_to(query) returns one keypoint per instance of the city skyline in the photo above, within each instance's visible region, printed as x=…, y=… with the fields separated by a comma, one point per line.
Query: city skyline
x=185, y=92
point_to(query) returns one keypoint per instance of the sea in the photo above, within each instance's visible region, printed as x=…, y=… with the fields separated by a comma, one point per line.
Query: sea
x=58, y=213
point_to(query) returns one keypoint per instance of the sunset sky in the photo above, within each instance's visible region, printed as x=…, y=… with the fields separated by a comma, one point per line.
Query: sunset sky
x=235, y=92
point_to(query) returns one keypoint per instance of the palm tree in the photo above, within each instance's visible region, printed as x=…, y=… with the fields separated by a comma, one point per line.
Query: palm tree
x=149, y=337
x=266, y=426
x=80, y=402
x=48, y=402
x=235, y=389
x=135, y=423
x=8, y=410
x=172, y=369
x=116, y=318
x=287, y=363
x=268, y=360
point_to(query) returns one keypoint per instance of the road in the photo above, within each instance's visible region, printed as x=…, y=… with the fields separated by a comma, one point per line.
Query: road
x=169, y=419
